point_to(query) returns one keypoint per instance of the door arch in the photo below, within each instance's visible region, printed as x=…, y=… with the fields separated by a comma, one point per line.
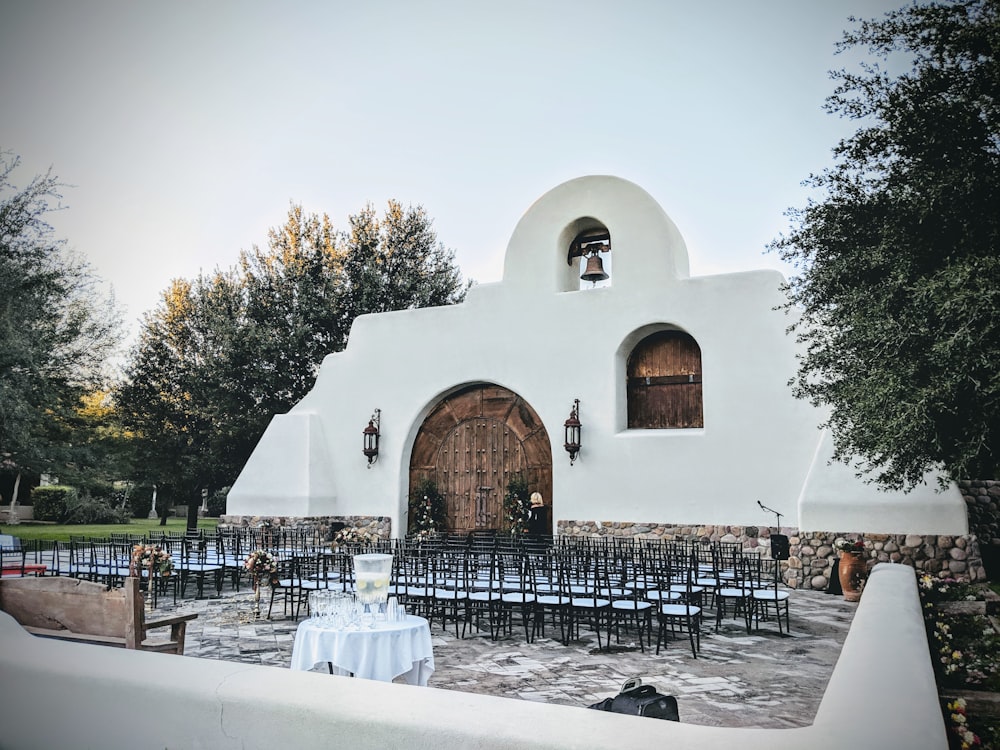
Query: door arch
x=471, y=445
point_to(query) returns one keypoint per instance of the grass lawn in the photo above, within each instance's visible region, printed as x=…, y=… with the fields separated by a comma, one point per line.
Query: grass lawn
x=61, y=532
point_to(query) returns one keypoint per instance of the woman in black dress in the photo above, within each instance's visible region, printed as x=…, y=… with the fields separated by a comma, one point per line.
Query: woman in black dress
x=538, y=516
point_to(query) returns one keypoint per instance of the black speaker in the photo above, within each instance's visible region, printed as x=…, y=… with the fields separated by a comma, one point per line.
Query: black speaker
x=780, y=549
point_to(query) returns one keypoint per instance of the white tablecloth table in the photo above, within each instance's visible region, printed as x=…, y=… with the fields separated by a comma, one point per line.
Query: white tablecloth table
x=390, y=650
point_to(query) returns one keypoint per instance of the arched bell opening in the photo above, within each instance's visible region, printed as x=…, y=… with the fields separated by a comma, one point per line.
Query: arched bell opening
x=588, y=255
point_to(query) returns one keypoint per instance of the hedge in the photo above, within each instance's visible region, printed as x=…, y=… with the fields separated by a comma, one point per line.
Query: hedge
x=52, y=502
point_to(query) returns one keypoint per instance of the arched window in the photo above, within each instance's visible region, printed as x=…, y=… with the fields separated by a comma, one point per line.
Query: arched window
x=664, y=382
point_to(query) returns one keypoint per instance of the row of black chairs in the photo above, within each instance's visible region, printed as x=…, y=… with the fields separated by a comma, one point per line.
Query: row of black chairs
x=491, y=585
x=486, y=581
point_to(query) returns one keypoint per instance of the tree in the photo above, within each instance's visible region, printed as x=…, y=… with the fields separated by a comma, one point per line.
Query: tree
x=168, y=394
x=57, y=331
x=293, y=291
x=221, y=355
x=396, y=263
x=899, y=265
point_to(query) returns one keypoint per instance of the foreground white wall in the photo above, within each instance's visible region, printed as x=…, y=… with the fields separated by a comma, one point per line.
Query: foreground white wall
x=57, y=694
x=539, y=335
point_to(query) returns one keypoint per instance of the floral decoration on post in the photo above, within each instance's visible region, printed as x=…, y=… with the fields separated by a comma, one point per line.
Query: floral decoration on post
x=262, y=567
x=151, y=558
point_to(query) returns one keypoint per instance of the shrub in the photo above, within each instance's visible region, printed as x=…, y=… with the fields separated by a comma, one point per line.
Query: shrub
x=87, y=509
x=52, y=502
x=95, y=488
x=217, y=502
x=426, y=508
x=516, y=502
x=934, y=590
x=964, y=648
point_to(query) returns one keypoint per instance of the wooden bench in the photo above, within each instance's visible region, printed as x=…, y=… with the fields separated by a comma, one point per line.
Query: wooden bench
x=75, y=610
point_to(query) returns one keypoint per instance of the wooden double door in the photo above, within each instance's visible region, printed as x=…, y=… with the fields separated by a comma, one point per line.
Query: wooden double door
x=472, y=444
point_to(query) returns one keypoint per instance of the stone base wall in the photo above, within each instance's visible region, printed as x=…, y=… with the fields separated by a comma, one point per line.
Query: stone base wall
x=982, y=501
x=812, y=553
x=810, y=563
x=380, y=526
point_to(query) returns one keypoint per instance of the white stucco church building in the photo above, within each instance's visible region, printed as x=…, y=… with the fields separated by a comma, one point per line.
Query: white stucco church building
x=685, y=412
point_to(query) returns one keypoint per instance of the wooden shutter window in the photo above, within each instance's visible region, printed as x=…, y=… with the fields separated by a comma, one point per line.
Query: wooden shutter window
x=664, y=382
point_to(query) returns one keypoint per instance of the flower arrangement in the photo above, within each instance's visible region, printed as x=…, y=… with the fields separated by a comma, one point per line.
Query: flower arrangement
x=852, y=546
x=350, y=535
x=145, y=554
x=262, y=567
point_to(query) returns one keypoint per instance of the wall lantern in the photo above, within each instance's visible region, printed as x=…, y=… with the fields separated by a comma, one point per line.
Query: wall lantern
x=371, y=435
x=572, y=427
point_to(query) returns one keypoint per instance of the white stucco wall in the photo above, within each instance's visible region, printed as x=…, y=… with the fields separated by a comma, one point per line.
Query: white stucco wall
x=539, y=335
x=60, y=694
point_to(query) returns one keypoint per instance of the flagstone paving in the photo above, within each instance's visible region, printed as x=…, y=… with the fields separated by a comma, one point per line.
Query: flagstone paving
x=758, y=680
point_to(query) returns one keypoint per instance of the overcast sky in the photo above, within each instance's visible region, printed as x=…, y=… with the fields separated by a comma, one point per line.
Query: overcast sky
x=187, y=129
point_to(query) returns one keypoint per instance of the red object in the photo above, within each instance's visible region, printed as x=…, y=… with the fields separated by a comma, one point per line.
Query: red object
x=29, y=569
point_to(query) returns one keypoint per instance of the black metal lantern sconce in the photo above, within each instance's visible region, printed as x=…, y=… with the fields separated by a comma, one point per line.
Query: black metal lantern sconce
x=371, y=436
x=572, y=430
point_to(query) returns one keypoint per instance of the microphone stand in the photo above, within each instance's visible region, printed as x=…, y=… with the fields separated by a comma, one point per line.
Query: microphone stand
x=771, y=510
x=777, y=565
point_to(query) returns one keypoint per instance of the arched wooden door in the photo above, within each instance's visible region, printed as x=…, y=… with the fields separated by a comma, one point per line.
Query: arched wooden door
x=472, y=444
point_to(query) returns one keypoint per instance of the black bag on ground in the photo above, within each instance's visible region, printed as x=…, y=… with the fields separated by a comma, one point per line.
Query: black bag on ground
x=640, y=700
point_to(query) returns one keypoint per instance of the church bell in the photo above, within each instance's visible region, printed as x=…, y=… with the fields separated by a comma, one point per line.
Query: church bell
x=594, y=271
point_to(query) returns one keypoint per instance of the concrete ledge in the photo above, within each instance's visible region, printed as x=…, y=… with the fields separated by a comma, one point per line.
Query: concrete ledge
x=887, y=638
x=72, y=695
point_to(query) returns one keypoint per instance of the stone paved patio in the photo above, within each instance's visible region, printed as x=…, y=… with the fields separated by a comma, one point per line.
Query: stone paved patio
x=739, y=680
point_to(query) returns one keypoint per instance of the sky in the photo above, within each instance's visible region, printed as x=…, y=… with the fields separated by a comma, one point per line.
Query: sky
x=184, y=130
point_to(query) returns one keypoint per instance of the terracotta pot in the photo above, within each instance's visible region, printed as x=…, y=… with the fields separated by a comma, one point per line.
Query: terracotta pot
x=852, y=573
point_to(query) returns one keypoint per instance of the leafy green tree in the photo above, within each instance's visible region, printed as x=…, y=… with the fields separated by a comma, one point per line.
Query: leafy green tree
x=396, y=263
x=291, y=320
x=57, y=332
x=898, y=262
x=160, y=399
x=221, y=355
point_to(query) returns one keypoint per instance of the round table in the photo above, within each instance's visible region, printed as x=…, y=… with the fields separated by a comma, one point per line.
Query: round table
x=387, y=651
